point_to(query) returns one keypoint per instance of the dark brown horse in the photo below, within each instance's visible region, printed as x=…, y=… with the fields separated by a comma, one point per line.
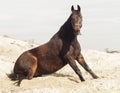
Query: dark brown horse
x=63, y=48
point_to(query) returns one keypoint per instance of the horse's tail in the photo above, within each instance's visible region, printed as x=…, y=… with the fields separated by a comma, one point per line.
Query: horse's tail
x=16, y=77
x=12, y=76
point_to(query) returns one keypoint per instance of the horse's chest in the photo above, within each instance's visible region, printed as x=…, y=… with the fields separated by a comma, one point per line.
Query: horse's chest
x=74, y=51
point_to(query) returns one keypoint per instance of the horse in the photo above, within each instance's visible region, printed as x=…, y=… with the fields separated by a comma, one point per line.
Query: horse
x=62, y=49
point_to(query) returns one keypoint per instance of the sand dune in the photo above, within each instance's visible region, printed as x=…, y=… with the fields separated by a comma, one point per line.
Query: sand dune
x=106, y=66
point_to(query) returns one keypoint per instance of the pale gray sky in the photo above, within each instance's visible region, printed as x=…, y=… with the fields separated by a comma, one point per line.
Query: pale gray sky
x=41, y=19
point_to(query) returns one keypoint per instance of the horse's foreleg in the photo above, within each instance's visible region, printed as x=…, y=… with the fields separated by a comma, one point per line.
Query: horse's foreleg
x=82, y=62
x=75, y=68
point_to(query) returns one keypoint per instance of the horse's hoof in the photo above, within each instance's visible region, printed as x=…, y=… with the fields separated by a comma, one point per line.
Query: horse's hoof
x=82, y=79
x=95, y=77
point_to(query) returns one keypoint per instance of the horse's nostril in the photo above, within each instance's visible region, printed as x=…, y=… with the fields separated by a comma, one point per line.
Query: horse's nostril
x=77, y=28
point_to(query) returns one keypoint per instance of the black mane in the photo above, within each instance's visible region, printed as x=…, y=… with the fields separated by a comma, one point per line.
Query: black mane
x=66, y=31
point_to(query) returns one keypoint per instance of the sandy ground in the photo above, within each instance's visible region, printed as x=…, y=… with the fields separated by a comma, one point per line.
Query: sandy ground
x=106, y=66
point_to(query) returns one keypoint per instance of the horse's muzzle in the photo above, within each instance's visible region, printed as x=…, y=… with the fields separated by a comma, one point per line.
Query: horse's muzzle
x=77, y=32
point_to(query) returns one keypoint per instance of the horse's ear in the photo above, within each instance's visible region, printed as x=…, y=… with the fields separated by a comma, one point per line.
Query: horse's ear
x=72, y=8
x=79, y=9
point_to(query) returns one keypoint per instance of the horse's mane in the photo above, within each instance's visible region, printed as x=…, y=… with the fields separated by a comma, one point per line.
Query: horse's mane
x=65, y=31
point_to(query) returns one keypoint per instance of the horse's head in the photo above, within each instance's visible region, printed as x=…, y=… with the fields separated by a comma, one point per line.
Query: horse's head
x=76, y=19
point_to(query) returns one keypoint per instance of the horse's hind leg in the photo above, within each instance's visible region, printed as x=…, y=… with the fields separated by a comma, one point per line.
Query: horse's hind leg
x=32, y=70
x=31, y=73
x=82, y=62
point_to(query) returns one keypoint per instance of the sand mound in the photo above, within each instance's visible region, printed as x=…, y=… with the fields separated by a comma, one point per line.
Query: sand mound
x=106, y=66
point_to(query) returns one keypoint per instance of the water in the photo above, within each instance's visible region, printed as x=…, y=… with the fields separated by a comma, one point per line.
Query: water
x=41, y=19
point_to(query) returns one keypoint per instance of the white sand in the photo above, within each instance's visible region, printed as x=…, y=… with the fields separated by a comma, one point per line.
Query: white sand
x=106, y=66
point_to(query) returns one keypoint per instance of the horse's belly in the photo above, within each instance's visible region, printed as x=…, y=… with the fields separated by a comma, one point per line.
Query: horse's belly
x=50, y=65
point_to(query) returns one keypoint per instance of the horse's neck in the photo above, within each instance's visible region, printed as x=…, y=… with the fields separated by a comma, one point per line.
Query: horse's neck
x=66, y=31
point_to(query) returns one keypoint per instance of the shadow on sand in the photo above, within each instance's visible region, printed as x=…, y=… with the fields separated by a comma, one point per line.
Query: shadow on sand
x=70, y=77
